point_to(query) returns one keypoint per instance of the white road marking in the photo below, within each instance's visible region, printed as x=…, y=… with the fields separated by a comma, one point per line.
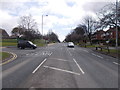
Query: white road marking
x=50, y=54
x=94, y=54
x=60, y=59
x=39, y=66
x=86, y=51
x=78, y=66
x=62, y=70
x=97, y=55
x=116, y=63
x=69, y=52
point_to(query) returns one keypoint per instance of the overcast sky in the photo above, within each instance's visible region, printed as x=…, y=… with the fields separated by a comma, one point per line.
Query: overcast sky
x=63, y=15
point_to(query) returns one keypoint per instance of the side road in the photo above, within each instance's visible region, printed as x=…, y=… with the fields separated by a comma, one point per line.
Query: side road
x=12, y=56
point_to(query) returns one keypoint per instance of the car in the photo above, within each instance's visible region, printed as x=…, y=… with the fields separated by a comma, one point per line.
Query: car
x=22, y=44
x=70, y=44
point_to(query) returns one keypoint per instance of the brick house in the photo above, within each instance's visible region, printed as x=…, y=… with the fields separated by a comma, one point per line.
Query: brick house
x=106, y=35
x=98, y=35
x=3, y=34
x=111, y=33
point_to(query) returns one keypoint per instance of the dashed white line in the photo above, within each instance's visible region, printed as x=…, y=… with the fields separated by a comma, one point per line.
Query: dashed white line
x=78, y=66
x=97, y=55
x=62, y=70
x=116, y=63
x=39, y=66
x=94, y=54
x=86, y=51
x=61, y=59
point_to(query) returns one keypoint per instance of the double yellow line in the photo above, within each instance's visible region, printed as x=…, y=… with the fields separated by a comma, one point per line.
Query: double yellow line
x=13, y=58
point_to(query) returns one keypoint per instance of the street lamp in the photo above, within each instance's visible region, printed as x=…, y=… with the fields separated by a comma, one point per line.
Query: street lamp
x=42, y=24
x=117, y=27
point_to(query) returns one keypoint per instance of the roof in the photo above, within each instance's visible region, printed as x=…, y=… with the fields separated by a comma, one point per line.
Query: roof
x=3, y=33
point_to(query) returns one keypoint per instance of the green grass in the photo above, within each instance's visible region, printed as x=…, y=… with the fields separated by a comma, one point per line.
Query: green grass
x=39, y=42
x=13, y=42
x=8, y=42
x=4, y=55
x=111, y=50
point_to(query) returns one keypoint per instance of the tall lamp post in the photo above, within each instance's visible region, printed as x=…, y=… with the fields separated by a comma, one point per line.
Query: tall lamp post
x=42, y=24
x=117, y=27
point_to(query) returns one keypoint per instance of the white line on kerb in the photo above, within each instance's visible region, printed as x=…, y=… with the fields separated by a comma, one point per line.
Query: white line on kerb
x=116, y=63
x=62, y=70
x=78, y=66
x=39, y=65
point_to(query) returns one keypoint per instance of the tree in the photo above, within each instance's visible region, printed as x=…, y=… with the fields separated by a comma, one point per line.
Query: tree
x=91, y=25
x=76, y=35
x=107, y=16
x=29, y=27
x=52, y=37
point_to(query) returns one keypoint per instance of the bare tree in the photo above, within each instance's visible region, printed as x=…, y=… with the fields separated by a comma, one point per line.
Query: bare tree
x=29, y=26
x=91, y=25
x=107, y=15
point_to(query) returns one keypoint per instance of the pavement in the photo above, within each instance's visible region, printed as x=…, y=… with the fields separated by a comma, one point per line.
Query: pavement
x=57, y=66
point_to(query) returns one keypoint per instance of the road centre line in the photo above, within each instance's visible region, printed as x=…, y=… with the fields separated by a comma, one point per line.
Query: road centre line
x=61, y=70
x=78, y=66
x=39, y=65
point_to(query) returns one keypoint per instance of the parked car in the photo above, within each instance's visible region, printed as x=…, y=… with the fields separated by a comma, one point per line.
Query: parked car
x=26, y=44
x=70, y=44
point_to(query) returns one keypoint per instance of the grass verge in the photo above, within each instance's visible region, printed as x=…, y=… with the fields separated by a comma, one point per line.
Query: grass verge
x=4, y=55
x=8, y=42
x=39, y=42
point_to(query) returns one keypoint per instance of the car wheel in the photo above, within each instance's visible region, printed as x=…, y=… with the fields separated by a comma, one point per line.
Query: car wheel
x=33, y=47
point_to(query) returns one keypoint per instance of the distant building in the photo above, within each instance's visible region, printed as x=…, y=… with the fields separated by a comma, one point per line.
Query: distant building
x=3, y=34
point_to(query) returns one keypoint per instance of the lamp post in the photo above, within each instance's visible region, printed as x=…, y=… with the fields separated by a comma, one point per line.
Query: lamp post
x=42, y=24
x=117, y=28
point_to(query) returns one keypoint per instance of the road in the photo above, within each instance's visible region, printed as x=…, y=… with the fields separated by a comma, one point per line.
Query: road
x=57, y=66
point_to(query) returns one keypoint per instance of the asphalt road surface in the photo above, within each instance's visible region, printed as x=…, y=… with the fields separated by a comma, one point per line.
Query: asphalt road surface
x=57, y=66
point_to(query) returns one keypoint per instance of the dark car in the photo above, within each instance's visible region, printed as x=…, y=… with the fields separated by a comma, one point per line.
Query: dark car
x=26, y=44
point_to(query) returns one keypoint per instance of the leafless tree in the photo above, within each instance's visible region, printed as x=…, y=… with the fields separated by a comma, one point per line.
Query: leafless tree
x=107, y=15
x=91, y=25
x=29, y=26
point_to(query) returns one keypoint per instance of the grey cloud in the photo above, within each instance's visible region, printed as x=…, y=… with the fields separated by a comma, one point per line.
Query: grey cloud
x=94, y=6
